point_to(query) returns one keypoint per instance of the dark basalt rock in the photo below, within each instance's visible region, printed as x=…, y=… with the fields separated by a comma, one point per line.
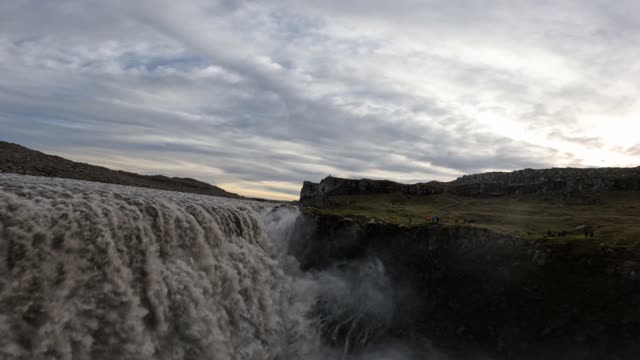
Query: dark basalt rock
x=469, y=288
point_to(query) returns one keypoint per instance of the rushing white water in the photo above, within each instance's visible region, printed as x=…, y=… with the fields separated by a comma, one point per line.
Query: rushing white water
x=95, y=271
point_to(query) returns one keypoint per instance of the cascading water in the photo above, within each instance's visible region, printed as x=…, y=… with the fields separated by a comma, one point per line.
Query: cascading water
x=96, y=271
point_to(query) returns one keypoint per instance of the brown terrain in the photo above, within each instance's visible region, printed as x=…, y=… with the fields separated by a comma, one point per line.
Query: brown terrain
x=21, y=160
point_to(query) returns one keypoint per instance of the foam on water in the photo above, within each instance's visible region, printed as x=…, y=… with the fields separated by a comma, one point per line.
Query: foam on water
x=95, y=271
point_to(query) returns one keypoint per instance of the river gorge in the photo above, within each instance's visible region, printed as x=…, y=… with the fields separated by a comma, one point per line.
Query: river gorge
x=99, y=271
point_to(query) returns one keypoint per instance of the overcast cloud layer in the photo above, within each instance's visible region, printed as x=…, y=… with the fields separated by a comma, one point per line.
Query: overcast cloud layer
x=258, y=96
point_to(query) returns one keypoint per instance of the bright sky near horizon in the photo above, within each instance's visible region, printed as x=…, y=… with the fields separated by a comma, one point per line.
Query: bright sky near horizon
x=257, y=96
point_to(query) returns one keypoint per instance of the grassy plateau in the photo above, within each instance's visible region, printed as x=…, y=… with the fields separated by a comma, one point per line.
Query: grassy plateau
x=615, y=216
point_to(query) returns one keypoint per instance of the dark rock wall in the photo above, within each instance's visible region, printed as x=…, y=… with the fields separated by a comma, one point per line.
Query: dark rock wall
x=473, y=289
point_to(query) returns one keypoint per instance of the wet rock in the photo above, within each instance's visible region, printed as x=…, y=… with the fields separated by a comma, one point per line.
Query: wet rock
x=482, y=289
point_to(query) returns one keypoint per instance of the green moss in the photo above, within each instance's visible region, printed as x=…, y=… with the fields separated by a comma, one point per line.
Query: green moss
x=616, y=216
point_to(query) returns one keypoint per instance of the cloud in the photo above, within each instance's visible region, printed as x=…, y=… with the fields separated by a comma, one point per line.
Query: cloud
x=582, y=140
x=634, y=151
x=262, y=95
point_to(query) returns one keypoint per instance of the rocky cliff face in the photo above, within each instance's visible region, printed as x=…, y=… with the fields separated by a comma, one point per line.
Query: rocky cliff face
x=317, y=193
x=468, y=288
x=554, y=180
x=561, y=181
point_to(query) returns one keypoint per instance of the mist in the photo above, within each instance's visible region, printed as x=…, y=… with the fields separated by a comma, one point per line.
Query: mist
x=353, y=307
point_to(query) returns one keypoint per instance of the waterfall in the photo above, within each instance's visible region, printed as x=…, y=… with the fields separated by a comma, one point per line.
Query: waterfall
x=96, y=271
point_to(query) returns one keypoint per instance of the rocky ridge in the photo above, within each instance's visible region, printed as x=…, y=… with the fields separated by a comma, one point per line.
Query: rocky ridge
x=21, y=160
x=564, y=181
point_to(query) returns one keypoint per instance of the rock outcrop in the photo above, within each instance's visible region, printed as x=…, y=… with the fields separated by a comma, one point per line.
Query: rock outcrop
x=555, y=180
x=318, y=193
x=561, y=181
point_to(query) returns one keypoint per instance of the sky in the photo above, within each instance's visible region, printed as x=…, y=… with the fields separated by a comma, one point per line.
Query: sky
x=257, y=96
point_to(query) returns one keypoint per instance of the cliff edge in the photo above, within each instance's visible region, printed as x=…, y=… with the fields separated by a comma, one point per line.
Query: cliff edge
x=561, y=181
x=474, y=291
